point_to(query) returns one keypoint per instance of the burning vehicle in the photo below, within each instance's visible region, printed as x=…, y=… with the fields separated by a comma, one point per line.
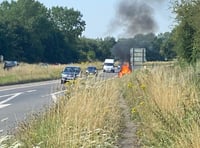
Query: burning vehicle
x=125, y=69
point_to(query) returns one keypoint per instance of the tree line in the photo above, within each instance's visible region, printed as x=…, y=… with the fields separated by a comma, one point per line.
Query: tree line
x=186, y=33
x=31, y=32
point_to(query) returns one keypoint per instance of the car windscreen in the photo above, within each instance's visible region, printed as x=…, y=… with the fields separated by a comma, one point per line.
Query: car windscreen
x=108, y=64
x=76, y=69
x=91, y=68
x=68, y=69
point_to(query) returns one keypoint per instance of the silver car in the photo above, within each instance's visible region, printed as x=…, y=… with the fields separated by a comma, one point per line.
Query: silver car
x=70, y=73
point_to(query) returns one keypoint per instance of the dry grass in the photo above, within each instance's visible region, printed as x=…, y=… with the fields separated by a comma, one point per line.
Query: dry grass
x=29, y=72
x=165, y=100
x=88, y=116
x=36, y=72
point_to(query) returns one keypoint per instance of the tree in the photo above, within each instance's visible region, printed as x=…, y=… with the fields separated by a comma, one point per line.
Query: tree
x=186, y=33
x=96, y=48
x=32, y=33
x=27, y=25
x=148, y=41
x=68, y=21
x=105, y=47
x=166, y=44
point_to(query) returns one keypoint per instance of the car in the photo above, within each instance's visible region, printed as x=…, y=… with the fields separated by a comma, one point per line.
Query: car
x=10, y=64
x=91, y=70
x=70, y=73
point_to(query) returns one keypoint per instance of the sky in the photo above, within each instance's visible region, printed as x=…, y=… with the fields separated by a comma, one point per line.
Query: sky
x=119, y=18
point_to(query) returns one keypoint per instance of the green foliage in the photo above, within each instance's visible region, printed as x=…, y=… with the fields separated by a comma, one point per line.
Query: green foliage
x=95, y=49
x=32, y=33
x=186, y=33
x=166, y=45
x=68, y=21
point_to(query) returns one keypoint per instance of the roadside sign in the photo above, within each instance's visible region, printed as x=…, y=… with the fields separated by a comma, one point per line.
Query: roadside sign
x=137, y=57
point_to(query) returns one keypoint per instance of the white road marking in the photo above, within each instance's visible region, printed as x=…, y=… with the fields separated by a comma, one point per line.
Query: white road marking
x=54, y=98
x=10, y=98
x=54, y=95
x=5, y=88
x=58, y=92
x=7, y=95
x=2, y=105
x=43, y=96
x=30, y=91
x=4, y=119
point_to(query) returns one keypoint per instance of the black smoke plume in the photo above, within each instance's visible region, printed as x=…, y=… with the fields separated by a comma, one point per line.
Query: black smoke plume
x=135, y=17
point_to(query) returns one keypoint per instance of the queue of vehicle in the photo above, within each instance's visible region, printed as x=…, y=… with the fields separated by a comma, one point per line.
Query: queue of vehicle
x=72, y=72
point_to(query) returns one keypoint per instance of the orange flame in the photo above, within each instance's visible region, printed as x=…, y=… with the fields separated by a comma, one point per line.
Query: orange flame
x=125, y=69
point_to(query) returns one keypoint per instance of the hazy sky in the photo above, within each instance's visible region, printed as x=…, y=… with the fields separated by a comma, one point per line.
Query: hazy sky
x=102, y=16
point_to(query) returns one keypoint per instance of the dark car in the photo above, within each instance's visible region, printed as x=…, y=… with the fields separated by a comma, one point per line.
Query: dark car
x=70, y=73
x=10, y=64
x=91, y=70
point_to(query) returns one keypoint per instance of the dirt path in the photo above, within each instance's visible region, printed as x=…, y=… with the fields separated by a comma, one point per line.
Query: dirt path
x=128, y=135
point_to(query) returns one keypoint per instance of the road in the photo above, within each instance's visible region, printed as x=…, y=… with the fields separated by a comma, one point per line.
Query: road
x=18, y=102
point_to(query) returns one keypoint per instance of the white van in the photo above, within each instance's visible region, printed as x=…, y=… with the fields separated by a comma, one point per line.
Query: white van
x=108, y=65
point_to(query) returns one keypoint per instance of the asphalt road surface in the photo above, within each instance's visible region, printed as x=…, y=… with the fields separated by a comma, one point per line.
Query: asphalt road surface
x=18, y=102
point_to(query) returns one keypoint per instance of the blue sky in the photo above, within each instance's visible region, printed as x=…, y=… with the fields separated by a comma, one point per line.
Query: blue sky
x=99, y=14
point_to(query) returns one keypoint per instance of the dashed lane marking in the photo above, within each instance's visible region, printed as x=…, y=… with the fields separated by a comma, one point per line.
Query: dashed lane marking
x=30, y=91
x=4, y=105
x=4, y=119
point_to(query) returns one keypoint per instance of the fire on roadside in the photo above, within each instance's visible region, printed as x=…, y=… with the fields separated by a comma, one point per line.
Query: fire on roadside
x=125, y=69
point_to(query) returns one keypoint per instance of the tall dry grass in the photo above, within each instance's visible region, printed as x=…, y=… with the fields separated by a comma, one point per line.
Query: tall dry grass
x=165, y=100
x=87, y=116
x=37, y=72
x=29, y=73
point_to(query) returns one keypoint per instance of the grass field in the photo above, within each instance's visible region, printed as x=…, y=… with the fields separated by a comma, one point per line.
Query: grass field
x=29, y=73
x=88, y=116
x=36, y=72
x=163, y=101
